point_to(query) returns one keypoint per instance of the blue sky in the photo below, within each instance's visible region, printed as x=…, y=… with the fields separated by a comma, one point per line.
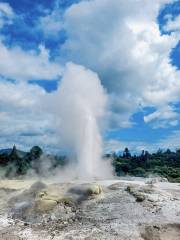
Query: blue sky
x=136, y=55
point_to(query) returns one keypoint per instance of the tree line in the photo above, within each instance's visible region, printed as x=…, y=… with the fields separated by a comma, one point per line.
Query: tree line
x=162, y=163
x=17, y=163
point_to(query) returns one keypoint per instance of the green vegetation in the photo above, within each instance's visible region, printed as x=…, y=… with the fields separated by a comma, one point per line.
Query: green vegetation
x=162, y=163
x=16, y=163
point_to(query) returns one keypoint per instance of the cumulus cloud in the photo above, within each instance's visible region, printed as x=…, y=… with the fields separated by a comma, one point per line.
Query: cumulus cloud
x=121, y=41
x=51, y=24
x=164, y=117
x=23, y=120
x=172, y=24
x=18, y=64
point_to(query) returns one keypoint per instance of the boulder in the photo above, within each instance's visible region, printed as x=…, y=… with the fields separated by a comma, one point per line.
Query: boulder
x=44, y=205
x=51, y=193
x=137, y=193
x=82, y=192
x=94, y=189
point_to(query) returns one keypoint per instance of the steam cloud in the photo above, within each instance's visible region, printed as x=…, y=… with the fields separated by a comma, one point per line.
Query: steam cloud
x=82, y=105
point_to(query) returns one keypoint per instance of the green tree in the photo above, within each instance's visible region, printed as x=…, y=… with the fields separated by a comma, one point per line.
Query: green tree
x=35, y=152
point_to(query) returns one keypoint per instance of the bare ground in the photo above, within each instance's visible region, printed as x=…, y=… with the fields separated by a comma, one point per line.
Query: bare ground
x=125, y=210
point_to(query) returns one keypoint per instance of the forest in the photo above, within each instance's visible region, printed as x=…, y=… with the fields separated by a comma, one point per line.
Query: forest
x=161, y=163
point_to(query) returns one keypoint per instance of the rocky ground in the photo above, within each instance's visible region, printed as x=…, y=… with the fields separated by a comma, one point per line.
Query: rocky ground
x=117, y=209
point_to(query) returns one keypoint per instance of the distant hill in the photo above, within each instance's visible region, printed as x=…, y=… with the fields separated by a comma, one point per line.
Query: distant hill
x=6, y=151
x=9, y=150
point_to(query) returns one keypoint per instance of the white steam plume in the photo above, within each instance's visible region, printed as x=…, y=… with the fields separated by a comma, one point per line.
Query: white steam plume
x=82, y=105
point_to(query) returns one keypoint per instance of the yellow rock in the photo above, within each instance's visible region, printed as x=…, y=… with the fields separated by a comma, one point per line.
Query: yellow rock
x=94, y=189
x=43, y=205
x=51, y=193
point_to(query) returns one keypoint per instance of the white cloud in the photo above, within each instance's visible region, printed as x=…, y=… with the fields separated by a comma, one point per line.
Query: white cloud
x=6, y=14
x=23, y=119
x=6, y=9
x=51, y=23
x=118, y=39
x=18, y=64
x=171, y=142
x=113, y=145
x=172, y=24
x=121, y=41
x=164, y=117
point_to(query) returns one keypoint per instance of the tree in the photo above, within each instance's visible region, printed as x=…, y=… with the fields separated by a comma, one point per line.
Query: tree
x=35, y=152
x=144, y=156
x=20, y=164
x=126, y=153
x=168, y=151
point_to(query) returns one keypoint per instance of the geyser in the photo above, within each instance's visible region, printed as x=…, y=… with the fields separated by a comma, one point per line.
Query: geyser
x=82, y=104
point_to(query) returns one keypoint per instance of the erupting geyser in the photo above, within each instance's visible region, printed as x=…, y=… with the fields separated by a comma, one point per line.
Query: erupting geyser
x=82, y=104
